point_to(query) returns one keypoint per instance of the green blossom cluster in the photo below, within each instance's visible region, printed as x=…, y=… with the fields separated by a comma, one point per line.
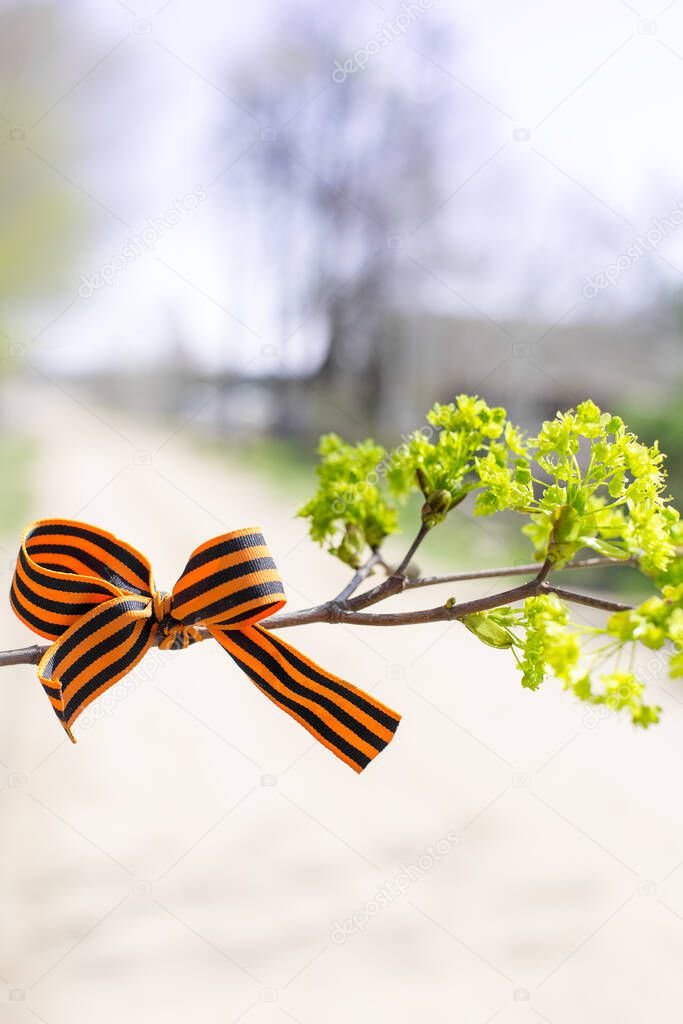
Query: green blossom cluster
x=583, y=482
x=441, y=459
x=601, y=489
x=546, y=643
x=349, y=510
x=656, y=623
x=353, y=507
x=672, y=575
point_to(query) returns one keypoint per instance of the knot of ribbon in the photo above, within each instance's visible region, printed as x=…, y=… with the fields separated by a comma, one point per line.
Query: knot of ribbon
x=174, y=634
x=94, y=596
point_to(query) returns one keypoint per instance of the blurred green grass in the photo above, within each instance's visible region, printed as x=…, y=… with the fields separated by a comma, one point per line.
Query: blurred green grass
x=16, y=461
x=289, y=467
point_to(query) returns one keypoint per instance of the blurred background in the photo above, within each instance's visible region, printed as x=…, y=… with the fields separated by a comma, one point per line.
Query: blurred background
x=222, y=233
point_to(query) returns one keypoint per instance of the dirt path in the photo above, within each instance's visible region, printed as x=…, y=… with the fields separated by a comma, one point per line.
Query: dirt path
x=191, y=855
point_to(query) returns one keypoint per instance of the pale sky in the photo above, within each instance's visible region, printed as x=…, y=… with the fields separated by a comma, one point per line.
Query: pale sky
x=596, y=85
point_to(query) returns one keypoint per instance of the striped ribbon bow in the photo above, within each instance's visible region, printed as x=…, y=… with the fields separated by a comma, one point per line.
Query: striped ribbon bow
x=94, y=596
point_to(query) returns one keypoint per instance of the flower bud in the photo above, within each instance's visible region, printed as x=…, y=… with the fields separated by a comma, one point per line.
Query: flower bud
x=435, y=508
x=423, y=481
x=489, y=632
x=352, y=545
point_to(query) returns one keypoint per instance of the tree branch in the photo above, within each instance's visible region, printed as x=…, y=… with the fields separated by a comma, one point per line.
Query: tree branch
x=360, y=574
x=442, y=613
x=396, y=582
x=514, y=570
x=544, y=571
x=588, y=599
x=334, y=612
x=23, y=655
x=347, y=608
x=407, y=558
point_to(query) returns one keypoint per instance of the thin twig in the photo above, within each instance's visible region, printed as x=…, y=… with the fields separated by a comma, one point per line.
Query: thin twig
x=442, y=613
x=544, y=571
x=407, y=558
x=589, y=600
x=23, y=655
x=529, y=569
x=360, y=574
x=396, y=582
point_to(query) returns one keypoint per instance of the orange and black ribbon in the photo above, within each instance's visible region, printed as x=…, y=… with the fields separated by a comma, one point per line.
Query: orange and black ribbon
x=94, y=596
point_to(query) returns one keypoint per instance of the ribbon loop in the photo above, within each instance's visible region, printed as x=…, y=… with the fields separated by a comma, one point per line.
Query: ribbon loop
x=94, y=596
